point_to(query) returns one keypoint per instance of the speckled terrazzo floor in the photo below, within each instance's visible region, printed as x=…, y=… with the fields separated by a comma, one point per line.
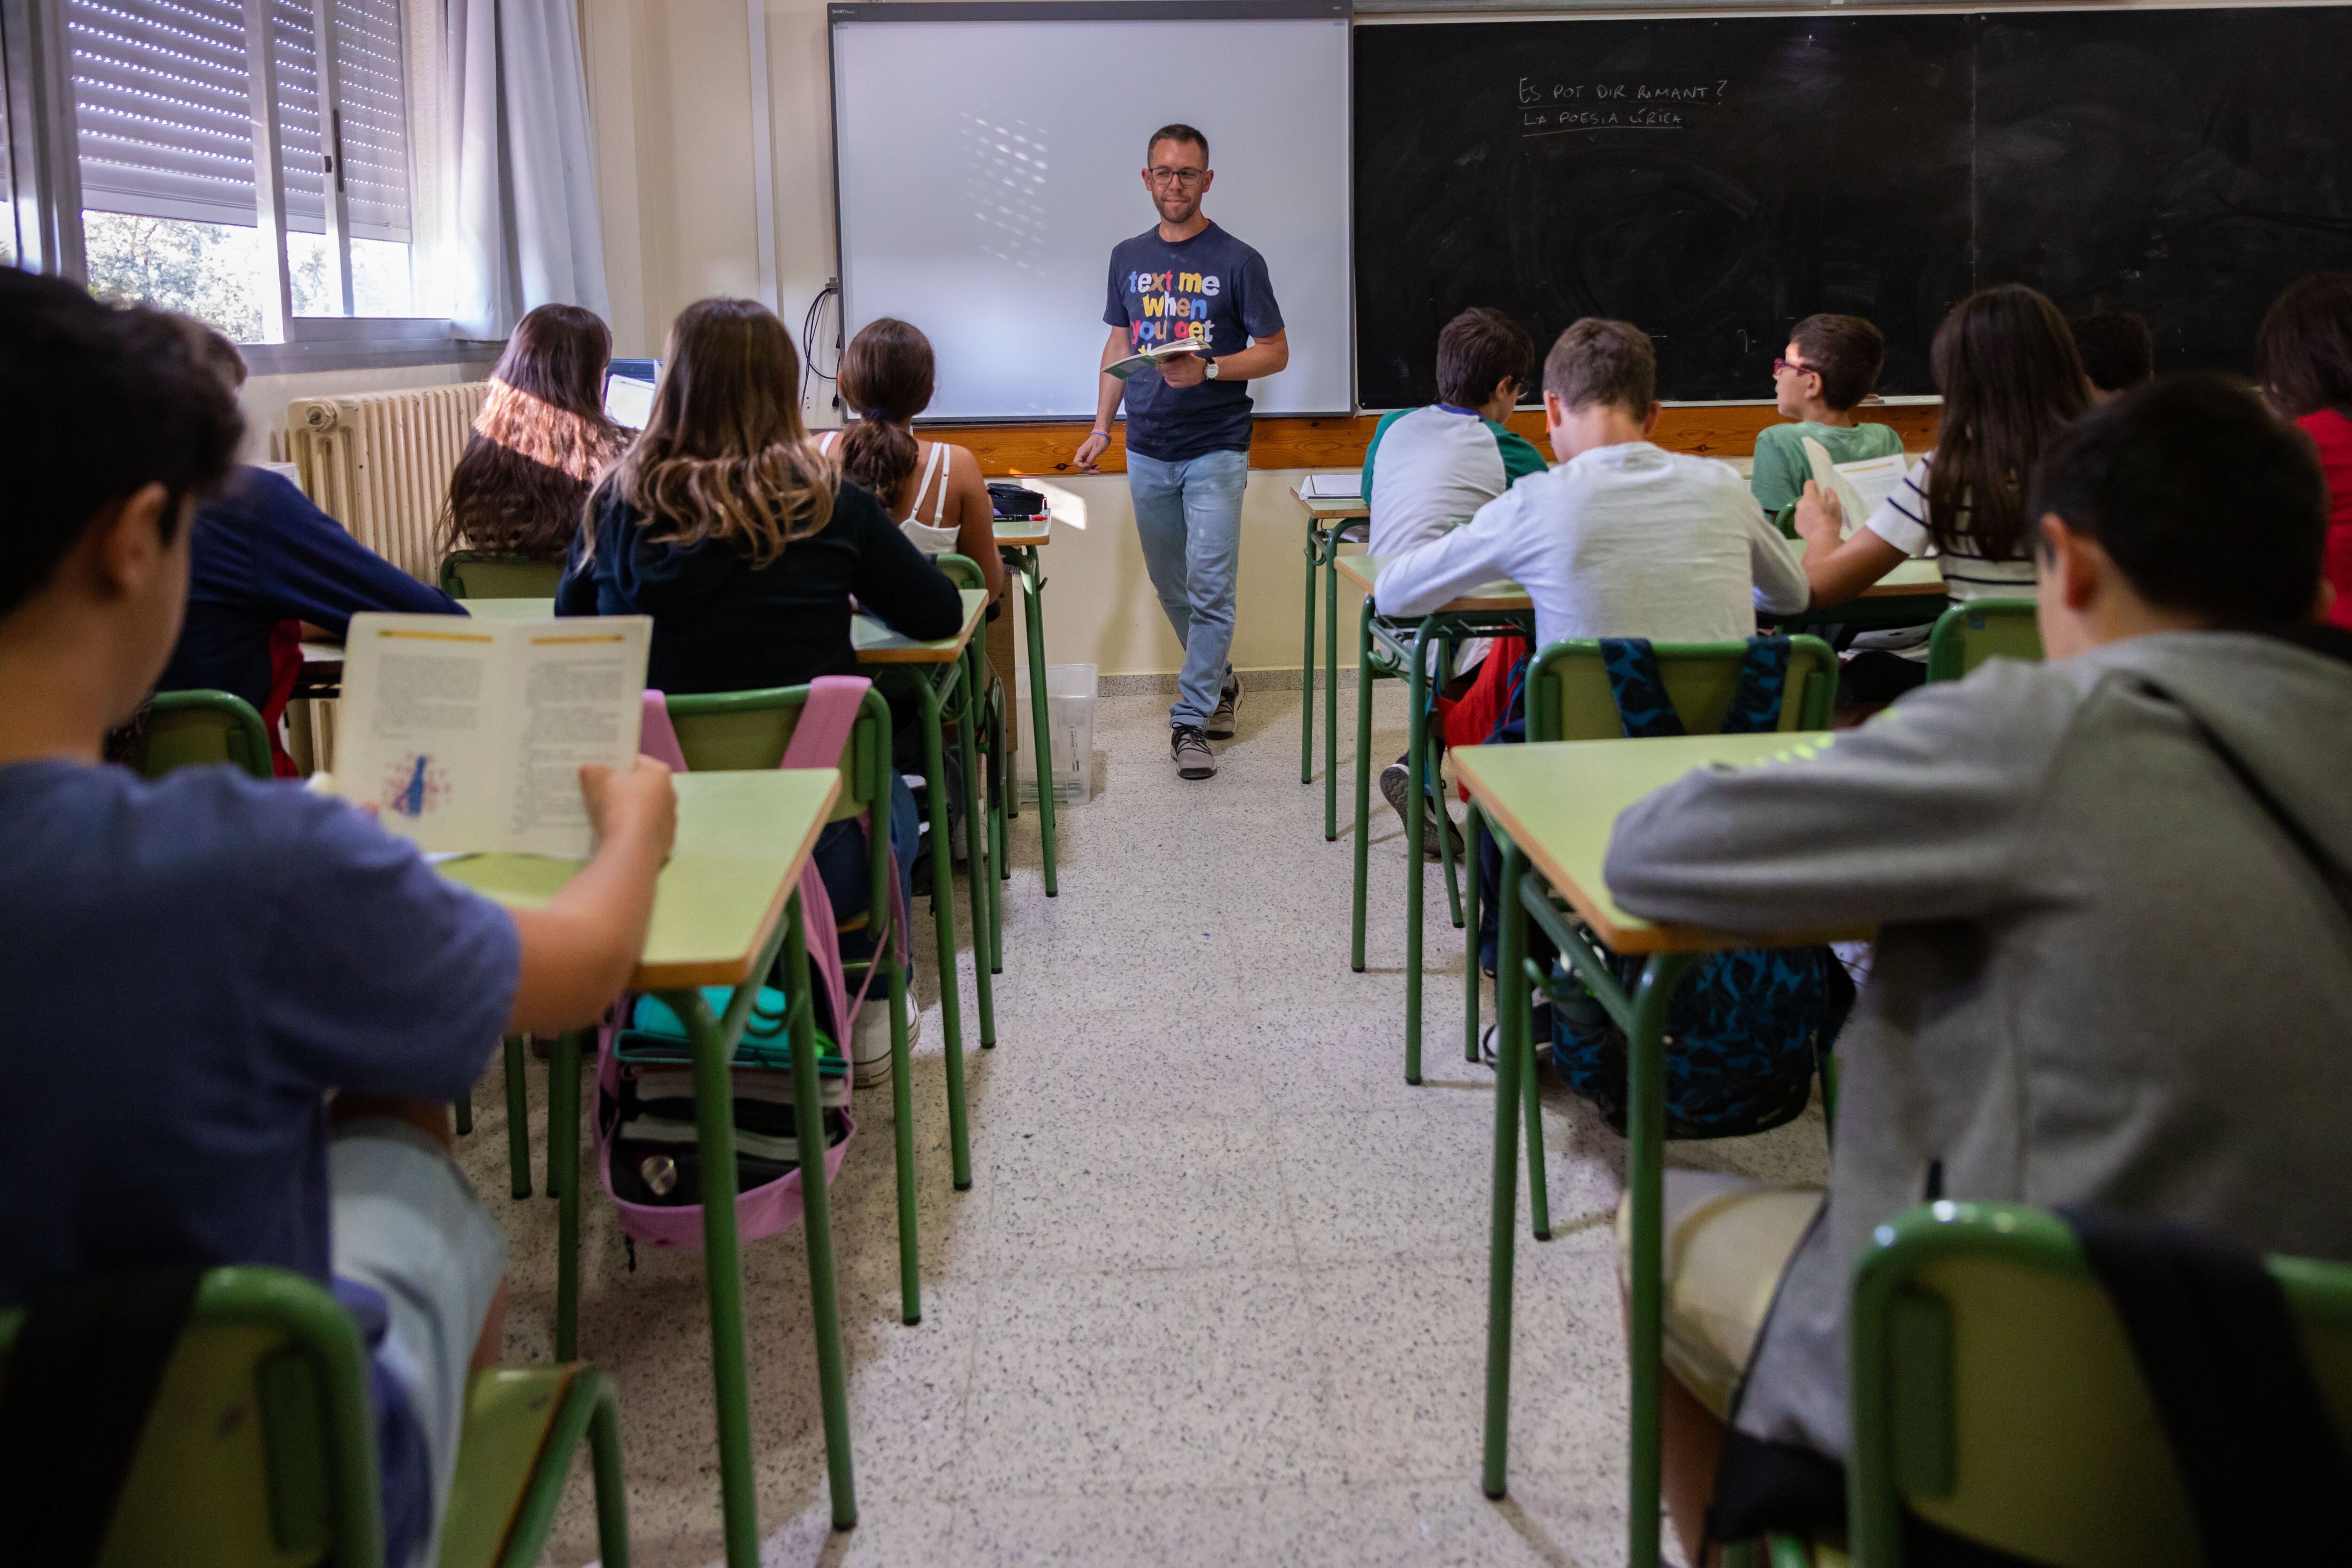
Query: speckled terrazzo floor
x=1217, y=1295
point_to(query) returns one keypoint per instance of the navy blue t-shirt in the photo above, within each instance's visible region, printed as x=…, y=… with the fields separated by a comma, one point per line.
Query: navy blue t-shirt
x=1211, y=285
x=261, y=553
x=190, y=965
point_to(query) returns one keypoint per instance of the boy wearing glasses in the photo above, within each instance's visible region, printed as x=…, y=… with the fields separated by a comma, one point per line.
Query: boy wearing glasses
x=1437, y=464
x=1188, y=421
x=1832, y=364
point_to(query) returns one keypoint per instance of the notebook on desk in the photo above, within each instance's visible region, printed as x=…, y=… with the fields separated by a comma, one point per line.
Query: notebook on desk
x=1332, y=487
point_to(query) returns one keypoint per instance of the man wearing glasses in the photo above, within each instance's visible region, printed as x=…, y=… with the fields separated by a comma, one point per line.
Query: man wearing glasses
x=1188, y=421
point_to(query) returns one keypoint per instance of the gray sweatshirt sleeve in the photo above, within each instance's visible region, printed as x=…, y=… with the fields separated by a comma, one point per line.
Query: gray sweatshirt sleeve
x=1919, y=815
x=1439, y=570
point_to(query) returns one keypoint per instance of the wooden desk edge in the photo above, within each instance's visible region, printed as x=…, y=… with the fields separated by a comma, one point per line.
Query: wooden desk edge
x=1473, y=605
x=941, y=650
x=735, y=970
x=1648, y=937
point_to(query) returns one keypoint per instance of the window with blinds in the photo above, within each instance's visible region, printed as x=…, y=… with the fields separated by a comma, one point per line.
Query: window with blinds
x=163, y=94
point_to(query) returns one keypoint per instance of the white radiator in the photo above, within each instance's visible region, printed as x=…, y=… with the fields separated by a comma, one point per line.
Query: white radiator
x=379, y=463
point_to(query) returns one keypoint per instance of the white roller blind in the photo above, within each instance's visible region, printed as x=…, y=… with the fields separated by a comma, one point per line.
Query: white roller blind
x=164, y=93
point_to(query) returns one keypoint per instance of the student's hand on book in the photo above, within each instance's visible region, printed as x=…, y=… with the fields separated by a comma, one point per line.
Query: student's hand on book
x=1821, y=521
x=1090, y=451
x=639, y=802
x=1184, y=370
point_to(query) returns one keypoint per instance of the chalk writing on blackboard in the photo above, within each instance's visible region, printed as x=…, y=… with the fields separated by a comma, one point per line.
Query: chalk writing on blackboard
x=1558, y=108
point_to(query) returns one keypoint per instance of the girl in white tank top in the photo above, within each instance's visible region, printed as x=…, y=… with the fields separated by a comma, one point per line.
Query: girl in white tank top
x=932, y=538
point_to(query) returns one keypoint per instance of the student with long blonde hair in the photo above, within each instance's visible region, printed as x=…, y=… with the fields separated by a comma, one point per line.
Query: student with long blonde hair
x=540, y=442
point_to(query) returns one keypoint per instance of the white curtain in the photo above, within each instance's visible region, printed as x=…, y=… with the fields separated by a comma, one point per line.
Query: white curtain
x=522, y=229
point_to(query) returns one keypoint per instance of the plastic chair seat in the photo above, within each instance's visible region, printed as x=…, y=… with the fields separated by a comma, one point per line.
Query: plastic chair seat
x=510, y=1412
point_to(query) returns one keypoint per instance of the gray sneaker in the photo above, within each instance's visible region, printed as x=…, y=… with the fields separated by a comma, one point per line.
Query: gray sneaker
x=1396, y=788
x=1221, y=723
x=1191, y=749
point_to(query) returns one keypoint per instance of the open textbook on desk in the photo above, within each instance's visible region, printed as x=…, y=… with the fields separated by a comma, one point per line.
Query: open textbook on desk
x=468, y=735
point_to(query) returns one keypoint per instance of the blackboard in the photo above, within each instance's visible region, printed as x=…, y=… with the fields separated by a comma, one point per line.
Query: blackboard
x=1716, y=180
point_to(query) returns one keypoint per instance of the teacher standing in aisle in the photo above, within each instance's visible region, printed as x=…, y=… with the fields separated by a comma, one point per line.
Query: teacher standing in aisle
x=1187, y=422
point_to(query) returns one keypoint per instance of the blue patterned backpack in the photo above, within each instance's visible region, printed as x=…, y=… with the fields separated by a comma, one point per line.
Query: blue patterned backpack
x=1747, y=1028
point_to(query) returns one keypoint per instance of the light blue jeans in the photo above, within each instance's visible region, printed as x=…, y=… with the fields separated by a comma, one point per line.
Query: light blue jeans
x=1188, y=516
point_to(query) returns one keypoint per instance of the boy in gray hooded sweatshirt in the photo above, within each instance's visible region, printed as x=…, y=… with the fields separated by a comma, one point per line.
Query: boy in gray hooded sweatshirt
x=2115, y=959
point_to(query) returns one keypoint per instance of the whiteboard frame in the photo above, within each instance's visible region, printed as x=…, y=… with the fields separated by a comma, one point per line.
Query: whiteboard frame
x=841, y=13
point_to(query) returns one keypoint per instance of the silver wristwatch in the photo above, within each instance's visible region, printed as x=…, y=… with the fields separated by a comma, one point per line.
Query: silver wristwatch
x=1210, y=372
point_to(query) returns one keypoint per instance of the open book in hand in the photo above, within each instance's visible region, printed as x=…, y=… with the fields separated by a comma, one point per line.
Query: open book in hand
x=469, y=735
x=1154, y=356
x=1858, y=486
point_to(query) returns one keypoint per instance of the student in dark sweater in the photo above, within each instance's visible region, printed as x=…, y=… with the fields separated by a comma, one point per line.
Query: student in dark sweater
x=743, y=543
x=263, y=561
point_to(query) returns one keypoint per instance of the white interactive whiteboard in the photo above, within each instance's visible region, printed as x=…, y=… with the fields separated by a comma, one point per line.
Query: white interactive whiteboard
x=986, y=159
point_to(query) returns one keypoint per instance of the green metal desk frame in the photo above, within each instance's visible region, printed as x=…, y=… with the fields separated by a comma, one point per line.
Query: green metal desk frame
x=1024, y=563
x=1324, y=534
x=1383, y=650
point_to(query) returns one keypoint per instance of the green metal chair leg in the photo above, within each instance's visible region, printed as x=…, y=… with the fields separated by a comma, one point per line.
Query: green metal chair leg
x=612, y=1484
x=1503, y=1238
x=1307, y=674
x=464, y=1112
x=563, y=1178
x=1531, y=1095
x=1470, y=939
x=978, y=874
x=992, y=722
x=1415, y=828
x=1363, y=778
x=944, y=927
x=1331, y=686
x=1041, y=722
x=816, y=1222
x=1645, y=1126
x=517, y=1121
x=902, y=1139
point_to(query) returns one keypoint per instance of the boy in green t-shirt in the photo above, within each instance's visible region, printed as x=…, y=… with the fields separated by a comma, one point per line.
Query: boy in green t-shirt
x=1832, y=364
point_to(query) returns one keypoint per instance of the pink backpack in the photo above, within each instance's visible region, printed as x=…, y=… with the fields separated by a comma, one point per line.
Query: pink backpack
x=817, y=742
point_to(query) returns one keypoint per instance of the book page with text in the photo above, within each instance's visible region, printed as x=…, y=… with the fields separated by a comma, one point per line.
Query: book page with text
x=417, y=729
x=576, y=696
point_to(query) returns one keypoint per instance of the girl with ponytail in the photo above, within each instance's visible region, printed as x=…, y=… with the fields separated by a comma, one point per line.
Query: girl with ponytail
x=934, y=490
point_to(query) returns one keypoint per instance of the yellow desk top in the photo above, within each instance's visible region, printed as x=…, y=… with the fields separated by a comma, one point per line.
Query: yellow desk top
x=1364, y=571
x=742, y=838
x=511, y=609
x=1559, y=800
x=1921, y=575
x=1329, y=509
x=877, y=644
x=1013, y=533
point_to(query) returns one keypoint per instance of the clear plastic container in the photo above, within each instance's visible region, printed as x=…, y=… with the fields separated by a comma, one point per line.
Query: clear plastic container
x=1070, y=694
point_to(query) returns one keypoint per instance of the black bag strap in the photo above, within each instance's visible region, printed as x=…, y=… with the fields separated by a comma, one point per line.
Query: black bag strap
x=80, y=1381
x=2224, y=1360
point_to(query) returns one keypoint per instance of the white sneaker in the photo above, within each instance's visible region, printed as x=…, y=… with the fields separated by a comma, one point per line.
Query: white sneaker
x=869, y=1040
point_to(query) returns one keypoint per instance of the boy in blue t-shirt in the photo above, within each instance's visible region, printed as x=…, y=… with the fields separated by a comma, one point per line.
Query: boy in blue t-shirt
x=1437, y=464
x=1832, y=364
x=195, y=965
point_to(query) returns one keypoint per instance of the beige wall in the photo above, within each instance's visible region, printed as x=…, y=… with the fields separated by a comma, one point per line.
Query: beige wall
x=669, y=93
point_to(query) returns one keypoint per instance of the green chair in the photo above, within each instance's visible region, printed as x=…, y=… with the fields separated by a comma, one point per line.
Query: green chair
x=1785, y=519
x=1975, y=630
x=1569, y=698
x=187, y=729
x=261, y=1449
x=1995, y=1395
x=740, y=730
x=466, y=576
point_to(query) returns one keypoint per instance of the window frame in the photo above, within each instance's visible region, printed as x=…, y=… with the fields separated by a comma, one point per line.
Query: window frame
x=44, y=147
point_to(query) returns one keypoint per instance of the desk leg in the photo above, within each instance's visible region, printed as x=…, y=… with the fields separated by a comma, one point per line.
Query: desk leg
x=1645, y=1126
x=563, y=1176
x=1363, y=776
x=1470, y=939
x=816, y=1204
x=1307, y=674
x=989, y=719
x=1416, y=823
x=1033, y=584
x=517, y=1121
x=722, y=1264
x=1502, y=1240
x=935, y=771
x=979, y=874
x=1332, y=685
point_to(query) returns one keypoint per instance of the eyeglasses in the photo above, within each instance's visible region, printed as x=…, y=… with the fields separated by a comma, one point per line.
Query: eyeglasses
x=1779, y=364
x=1175, y=177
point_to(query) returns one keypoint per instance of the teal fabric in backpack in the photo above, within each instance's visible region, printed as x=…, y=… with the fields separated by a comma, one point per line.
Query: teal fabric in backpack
x=1746, y=1029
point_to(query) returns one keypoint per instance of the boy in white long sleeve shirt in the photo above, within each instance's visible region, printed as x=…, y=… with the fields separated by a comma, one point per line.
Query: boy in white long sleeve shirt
x=1625, y=539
